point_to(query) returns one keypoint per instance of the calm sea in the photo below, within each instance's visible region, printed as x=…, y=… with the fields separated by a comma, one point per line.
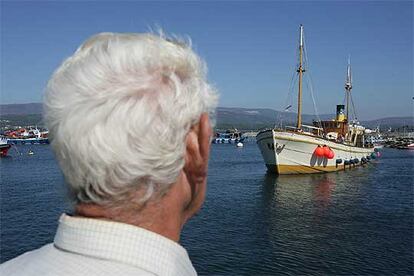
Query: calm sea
x=358, y=222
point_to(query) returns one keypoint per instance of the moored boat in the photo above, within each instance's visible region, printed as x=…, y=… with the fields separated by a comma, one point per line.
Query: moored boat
x=325, y=146
x=374, y=138
x=4, y=147
x=231, y=136
x=27, y=136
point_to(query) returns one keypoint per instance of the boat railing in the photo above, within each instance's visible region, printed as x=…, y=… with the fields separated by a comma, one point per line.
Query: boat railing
x=306, y=129
x=312, y=127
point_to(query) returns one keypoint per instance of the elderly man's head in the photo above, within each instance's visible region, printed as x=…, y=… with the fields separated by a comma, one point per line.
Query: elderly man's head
x=127, y=118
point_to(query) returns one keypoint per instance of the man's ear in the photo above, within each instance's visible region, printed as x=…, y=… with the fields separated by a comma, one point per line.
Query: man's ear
x=198, y=143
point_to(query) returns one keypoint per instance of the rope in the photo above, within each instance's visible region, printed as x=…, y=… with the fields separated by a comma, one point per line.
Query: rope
x=353, y=107
x=288, y=101
x=309, y=84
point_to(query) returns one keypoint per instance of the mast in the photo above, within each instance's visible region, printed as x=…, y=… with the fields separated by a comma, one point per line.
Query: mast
x=348, y=87
x=300, y=70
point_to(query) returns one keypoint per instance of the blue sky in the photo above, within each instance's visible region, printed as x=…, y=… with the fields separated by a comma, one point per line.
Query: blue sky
x=249, y=47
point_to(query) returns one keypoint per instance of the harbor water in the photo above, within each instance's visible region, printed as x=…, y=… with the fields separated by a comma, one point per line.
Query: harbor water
x=358, y=222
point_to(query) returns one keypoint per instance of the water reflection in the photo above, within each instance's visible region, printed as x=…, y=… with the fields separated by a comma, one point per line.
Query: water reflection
x=297, y=209
x=323, y=191
x=298, y=190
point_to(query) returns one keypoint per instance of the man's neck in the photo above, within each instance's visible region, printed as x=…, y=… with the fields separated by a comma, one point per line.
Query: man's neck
x=164, y=216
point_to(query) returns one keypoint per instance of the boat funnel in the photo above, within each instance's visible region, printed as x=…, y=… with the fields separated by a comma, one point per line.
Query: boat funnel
x=340, y=113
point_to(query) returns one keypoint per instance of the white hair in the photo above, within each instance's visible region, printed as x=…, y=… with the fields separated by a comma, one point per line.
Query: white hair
x=118, y=112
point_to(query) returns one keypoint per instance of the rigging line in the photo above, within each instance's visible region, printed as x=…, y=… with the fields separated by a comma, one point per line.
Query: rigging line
x=15, y=148
x=288, y=99
x=309, y=86
x=311, y=83
x=279, y=117
x=353, y=107
x=290, y=90
x=290, y=93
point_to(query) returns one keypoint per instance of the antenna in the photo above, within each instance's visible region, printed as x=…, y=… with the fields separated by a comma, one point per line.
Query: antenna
x=348, y=86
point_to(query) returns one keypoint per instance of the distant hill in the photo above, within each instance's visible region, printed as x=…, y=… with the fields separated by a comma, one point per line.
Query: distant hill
x=256, y=118
x=241, y=118
x=20, y=109
x=12, y=115
x=12, y=121
x=393, y=122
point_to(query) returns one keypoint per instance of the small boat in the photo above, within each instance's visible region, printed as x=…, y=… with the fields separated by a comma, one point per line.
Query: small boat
x=30, y=152
x=325, y=146
x=27, y=136
x=374, y=138
x=4, y=147
x=231, y=136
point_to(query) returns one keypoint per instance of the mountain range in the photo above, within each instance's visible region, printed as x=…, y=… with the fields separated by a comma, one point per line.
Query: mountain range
x=256, y=118
x=241, y=118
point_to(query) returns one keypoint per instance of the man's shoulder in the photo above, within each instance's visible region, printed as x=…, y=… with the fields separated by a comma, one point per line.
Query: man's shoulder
x=48, y=261
x=28, y=263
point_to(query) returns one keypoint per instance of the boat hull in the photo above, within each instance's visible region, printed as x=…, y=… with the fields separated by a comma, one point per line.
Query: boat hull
x=293, y=153
x=4, y=149
x=19, y=141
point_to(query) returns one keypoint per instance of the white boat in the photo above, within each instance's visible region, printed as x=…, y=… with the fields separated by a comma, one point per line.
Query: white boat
x=231, y=136
x=30, y=136
x=374, y=138
x=325, y=146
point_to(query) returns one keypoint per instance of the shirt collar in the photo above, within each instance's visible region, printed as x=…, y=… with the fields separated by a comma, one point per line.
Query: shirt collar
x=123, y=243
